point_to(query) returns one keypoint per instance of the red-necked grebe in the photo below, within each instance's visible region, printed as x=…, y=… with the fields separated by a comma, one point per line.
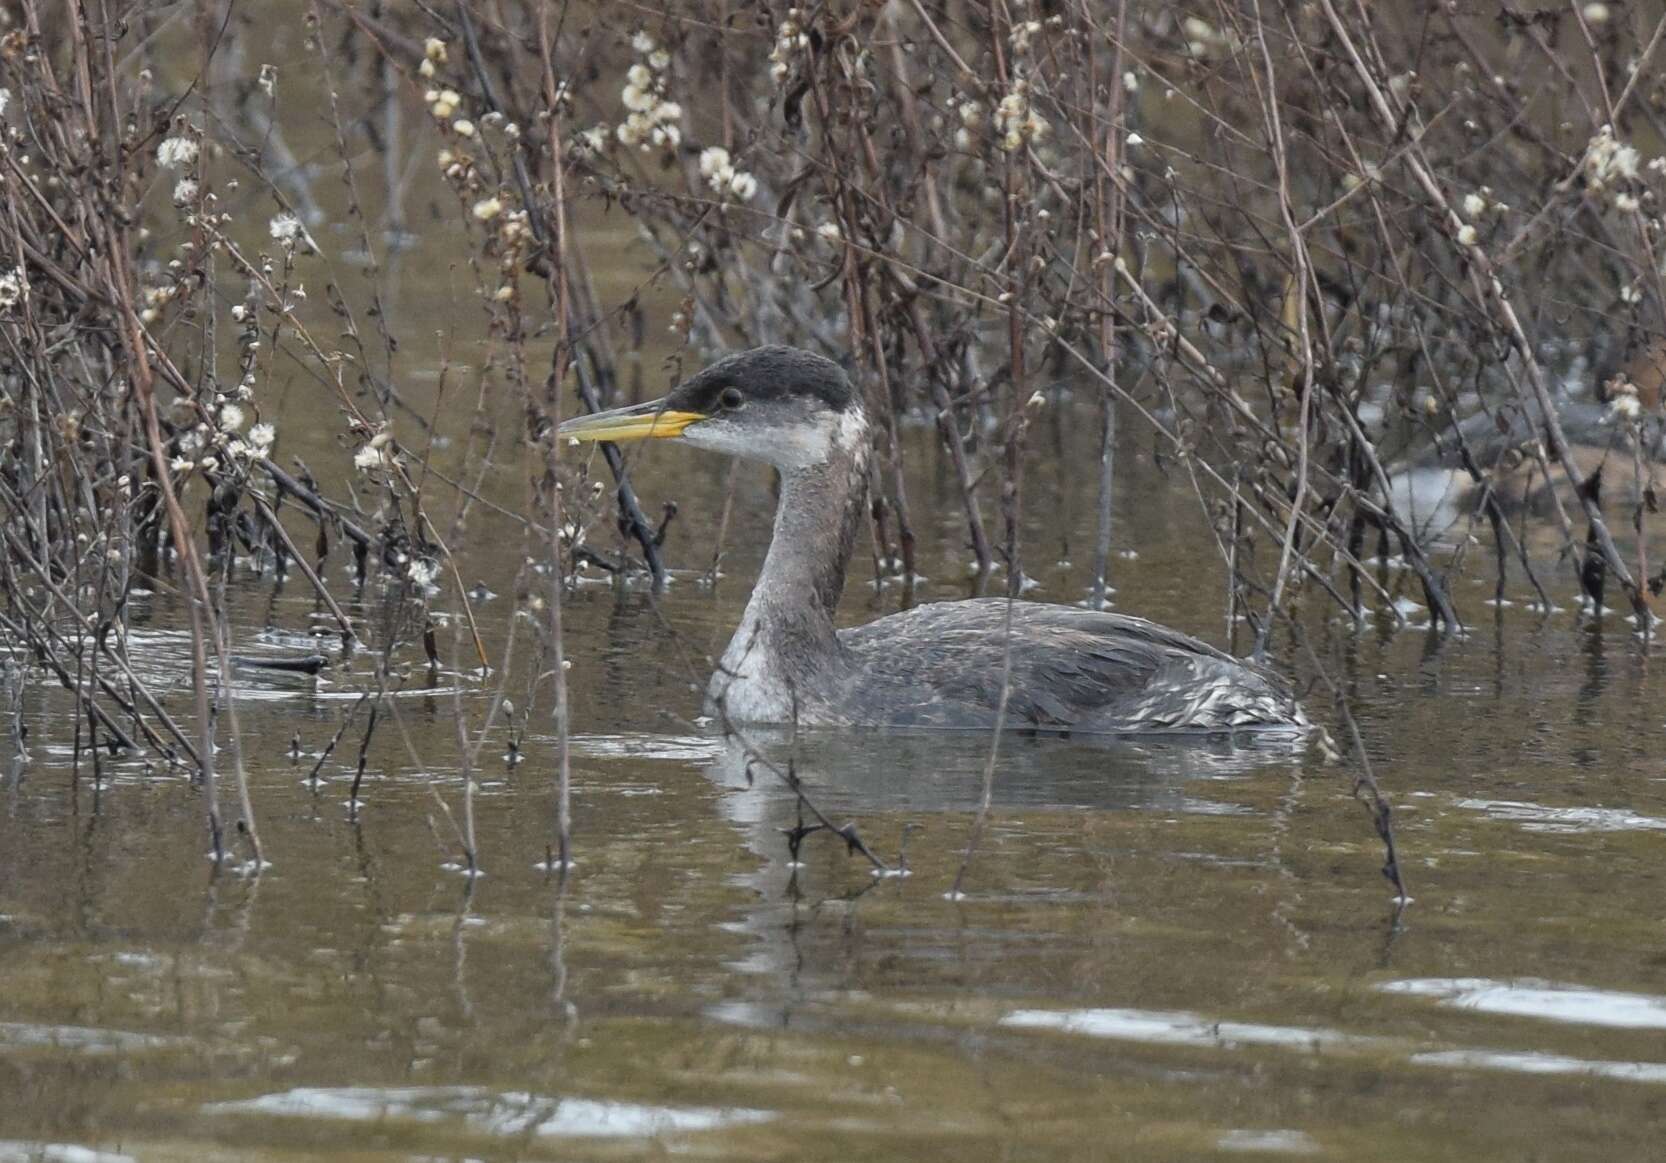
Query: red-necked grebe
x=937, y=665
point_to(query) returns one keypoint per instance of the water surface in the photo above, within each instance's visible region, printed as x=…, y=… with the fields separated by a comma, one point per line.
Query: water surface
x=1163, y=951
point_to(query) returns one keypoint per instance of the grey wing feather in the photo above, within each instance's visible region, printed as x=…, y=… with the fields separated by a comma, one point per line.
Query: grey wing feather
x=1071, y=669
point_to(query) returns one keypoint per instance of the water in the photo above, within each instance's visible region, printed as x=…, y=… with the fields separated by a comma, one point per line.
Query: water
x=1173, y=952
x=1161, y=952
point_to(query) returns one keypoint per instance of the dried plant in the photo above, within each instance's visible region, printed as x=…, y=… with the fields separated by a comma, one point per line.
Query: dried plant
x=1302, y=250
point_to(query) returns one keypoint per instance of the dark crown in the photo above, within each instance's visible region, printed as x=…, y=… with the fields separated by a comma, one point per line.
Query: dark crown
x=770, y=373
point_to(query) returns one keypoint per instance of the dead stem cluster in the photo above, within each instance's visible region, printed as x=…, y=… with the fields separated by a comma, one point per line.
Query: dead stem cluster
x=1312, y=250
x=1306, y=250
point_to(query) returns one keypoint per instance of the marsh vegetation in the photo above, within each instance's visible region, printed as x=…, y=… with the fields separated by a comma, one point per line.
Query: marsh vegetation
x=1328, y=332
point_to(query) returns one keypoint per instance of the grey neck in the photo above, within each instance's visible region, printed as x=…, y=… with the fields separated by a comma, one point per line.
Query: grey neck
x=786, y=636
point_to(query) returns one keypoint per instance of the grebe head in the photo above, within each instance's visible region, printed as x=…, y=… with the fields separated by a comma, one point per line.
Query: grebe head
x=789, y=408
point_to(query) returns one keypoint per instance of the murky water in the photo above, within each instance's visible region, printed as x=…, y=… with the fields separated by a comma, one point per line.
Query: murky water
x=1163, y=952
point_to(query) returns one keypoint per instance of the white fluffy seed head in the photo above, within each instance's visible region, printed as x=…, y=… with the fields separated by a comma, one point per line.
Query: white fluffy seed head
x=176, y=152
x=712, y=159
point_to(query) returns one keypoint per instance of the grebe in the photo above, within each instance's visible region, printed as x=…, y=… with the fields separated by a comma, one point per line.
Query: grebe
x=937, y=665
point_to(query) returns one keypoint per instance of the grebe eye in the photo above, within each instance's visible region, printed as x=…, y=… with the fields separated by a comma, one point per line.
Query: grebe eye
x=731, y=398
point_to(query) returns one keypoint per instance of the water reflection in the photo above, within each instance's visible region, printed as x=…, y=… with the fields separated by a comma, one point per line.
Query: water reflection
x=80, y=1039
x=1277, y=1142
x=1531, y=1062
x=1539, y=818
x=19, y=1151
x=1185, y=1029
x=1149, y=929
x=500, y=1115
x=943, y=771
x=1540, y=999
x=1181, y=1029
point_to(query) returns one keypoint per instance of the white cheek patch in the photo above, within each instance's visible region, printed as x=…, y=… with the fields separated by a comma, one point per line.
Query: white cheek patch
x=801, y=445
x=719, y=435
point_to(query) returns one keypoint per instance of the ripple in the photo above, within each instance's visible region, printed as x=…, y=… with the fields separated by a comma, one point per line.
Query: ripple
x=86, y=1039
x=21, y=1151
x=683, y=748
x=1531, y=1062
x=1179, y=1028
x=1285, y=1142
x=1550, y=1001
x=494, y=1113
x=1538, y=818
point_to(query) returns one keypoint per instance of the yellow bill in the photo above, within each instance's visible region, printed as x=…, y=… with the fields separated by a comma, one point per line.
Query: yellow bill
x=637, y=422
